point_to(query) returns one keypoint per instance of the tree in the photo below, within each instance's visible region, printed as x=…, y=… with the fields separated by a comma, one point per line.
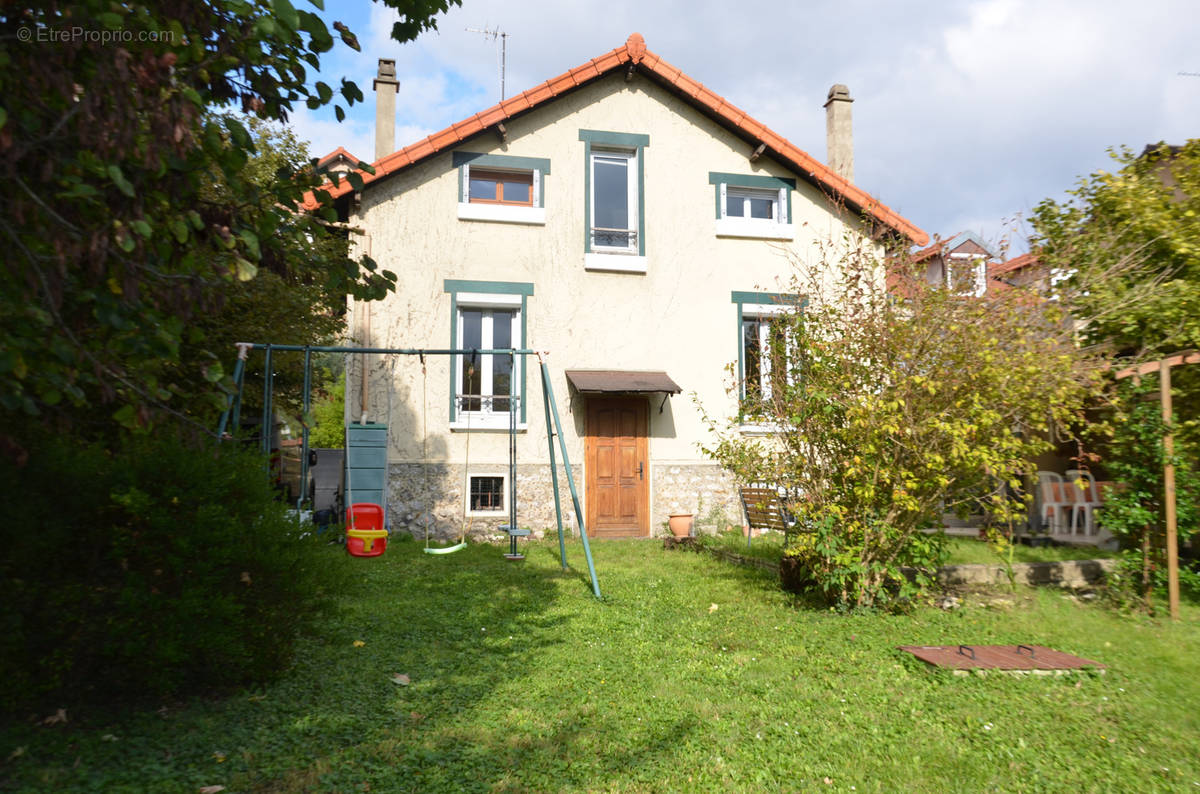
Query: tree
x=1126, y=246
x=891, y=401
x=1127, y=243
x=116, y=120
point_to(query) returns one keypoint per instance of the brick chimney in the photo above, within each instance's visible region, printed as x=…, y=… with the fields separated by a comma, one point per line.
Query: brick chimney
x=385, y=108
x=839, y=132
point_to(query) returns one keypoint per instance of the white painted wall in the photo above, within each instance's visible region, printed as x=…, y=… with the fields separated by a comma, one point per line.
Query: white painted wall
x=676, y=317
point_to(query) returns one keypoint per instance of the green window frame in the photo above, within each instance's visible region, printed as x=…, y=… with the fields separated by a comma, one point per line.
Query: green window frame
x=744, y=303
x=721, y=182
x=537, y=166
x=512, y=290
x=625, y=142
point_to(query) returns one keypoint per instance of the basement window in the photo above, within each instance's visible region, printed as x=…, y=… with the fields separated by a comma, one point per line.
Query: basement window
x=486, y=495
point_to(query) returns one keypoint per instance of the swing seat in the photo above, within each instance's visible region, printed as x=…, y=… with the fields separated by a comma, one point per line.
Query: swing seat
x=364, y=527
x=447, y=549
x=366, y=542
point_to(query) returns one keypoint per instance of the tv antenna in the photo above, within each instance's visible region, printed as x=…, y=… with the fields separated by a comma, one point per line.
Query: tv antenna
x=494, y=34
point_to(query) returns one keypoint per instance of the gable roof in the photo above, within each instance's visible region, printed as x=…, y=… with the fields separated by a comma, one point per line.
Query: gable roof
x=634, y=55
x=948, y=245
x=1016, y=263
x=338, y=153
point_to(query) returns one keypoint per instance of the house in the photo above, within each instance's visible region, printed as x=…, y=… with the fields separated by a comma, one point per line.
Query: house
x=628, y=221
x=960, y=262
x=338, y=161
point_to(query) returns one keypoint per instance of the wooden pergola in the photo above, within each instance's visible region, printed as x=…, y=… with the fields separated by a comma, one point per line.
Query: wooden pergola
x=1163, y=368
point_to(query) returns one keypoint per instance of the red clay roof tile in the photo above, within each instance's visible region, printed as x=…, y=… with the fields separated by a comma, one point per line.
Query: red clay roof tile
x=634, y=51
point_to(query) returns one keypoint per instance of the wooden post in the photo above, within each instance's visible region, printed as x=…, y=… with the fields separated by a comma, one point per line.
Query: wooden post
x=1164, y=389
x=1163, y=367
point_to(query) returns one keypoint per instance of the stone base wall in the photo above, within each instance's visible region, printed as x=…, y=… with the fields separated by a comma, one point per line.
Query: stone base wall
x=431, y=496
x=704, y=489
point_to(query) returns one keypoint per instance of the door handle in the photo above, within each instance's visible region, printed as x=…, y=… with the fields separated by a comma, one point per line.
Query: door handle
x=639, y=470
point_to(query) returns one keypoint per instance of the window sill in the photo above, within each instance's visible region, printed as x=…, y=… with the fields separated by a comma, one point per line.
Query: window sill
x=761, y=230
x=493, y=424
x=501, y=213
x=616, y=263
x=760, y=428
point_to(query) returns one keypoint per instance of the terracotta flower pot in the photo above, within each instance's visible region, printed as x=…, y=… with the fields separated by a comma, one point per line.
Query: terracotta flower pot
x=680, y=524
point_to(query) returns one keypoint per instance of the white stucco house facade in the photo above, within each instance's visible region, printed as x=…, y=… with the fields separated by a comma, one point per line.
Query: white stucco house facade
x=627, y=221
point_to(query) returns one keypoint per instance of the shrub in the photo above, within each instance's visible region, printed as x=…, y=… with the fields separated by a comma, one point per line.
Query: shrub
x=159, y=568
x=890, y=400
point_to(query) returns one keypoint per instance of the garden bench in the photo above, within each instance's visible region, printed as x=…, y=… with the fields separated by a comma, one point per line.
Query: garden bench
x=764, y=510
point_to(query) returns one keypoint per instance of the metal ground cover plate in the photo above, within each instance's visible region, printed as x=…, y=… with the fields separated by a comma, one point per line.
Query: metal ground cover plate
x=998, y=657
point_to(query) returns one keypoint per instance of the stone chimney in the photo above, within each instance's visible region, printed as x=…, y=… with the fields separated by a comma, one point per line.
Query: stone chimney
x=385, y=108
x=839, y=132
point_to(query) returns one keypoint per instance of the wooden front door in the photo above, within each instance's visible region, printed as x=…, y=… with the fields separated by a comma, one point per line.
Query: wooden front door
x=616, y=460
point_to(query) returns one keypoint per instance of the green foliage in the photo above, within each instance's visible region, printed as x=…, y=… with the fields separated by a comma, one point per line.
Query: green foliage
x=899, y=402
x=1130, y=240
x=131, y=216
x=328, y=414
x=159, y=568
x=1131, y=449
x=522, y=681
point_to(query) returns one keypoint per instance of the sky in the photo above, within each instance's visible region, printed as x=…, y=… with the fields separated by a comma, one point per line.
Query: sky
x=967, y=113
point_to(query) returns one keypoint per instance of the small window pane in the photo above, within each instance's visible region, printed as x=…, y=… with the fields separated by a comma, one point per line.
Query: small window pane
x=762, y=208
x=472, y=320
x=502, y=322
x=483, y=189
x=734, y=206
x=487, y=494
x=610, y=188
x=751, y=358
x=517, y=192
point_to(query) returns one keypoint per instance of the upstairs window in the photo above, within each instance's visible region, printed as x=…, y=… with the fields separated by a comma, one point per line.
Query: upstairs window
x=501, y=187
x=487, y=390
x=615, y=202
x=766, y=352
x=750, y=205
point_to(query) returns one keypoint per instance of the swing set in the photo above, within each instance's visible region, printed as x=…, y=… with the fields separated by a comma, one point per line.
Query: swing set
x=231, y=418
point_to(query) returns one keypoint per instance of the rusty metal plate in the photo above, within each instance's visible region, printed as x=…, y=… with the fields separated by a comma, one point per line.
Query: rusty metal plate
x=998, y=657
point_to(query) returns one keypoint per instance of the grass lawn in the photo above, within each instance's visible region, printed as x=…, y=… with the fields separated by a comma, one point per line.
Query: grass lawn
x=962, y=550
x=690, y=675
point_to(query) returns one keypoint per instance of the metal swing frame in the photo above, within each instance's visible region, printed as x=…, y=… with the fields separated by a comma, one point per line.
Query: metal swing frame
x=232, y=416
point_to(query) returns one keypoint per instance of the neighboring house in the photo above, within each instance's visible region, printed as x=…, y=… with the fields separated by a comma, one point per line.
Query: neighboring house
x=338, y=161
x=630, y=222
x=960, y=262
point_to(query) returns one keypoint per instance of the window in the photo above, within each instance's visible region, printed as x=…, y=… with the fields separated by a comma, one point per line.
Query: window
x=614, y=177
x=749, y=205
x=501, y=188
x=614, y=202
x=486, y=495
x=765, y=352
x=487, y=389
x=764, y=356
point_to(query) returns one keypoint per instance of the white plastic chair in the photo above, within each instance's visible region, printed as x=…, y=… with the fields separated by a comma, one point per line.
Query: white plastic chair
x=1086, y=501
x=1057, y=505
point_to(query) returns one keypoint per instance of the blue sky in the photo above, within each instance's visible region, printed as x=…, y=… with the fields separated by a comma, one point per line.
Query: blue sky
x=966, y=114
